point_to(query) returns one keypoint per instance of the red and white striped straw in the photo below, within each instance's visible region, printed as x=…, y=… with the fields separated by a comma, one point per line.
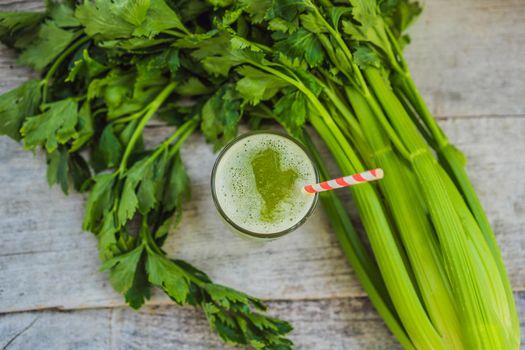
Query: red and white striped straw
x=351, y=180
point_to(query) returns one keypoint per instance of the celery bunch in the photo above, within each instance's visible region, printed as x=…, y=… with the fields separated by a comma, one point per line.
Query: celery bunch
x=436, y=275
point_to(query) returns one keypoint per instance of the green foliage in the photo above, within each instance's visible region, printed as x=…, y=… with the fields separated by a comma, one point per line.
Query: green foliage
x=255, y=86
x=159, y=17
x=19, y=29
x=86, y=67
x=51, y=41
x=12, y=22
x=286, y=9
x=291, y=111
x=220, y=116
x=109, y=146
x=364, y=57
x=140, y=18
x=302, y=45
x=18, y=104
x=62, y=14
x=167, y=275
x=57, y=169
x=256, y=9
x=123, y=269
x=102, y=19
x=56, y=125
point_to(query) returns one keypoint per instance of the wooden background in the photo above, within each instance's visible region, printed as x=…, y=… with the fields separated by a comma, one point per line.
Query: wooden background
x=468, y=60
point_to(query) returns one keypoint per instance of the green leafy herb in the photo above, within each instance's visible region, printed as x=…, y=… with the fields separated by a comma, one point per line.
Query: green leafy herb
x=18, y=104
x=220, y=116
x=56, y=125
x=51, y=41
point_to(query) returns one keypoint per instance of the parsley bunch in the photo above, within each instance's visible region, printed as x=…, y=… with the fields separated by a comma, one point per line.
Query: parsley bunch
x=107, y=69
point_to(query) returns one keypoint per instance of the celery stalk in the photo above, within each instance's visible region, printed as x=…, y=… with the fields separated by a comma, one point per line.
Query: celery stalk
x=470, y=278
x=453, y=162
x=356, y=254
x=382, y=239
x=409, y=212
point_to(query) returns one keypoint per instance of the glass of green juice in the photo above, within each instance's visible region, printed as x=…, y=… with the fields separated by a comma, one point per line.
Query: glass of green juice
x=257, y=184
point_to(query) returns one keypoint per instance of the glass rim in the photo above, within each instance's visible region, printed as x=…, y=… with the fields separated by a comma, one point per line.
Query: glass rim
x=240, y=228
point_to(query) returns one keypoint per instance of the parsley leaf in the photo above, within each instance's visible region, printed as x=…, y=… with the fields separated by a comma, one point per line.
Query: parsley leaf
x=18, y=104
x=79, y=171
x=302, y=45
x=123, y=269
x=62, y=15
x=133, y=11
x=159, y=17
x=140, y=290
x=100, y=20
x=291, y=111
x=58, y=168
x=109, y=147
x=56, y=125
x=167, y=275
x=18, y=29
x=335, y=13
x=256, y=9
x=85, y=128
x=220, y=116
x=256, y=85
x=177, y=188
x=128, y=202
x=286, y=9
x=99, y=202
x=51, y=41
x=364, y=56
x=86, y=67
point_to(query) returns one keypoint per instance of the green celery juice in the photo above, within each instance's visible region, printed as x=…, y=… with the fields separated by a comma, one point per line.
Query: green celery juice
x=258, y=184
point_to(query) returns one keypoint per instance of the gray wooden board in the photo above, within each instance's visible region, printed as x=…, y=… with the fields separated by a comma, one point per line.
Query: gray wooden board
x=319, y=325
x=466, y=58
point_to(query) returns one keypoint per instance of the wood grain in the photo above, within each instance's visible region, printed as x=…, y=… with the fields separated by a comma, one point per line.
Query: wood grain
x=327, y=324
x=466, y=57
x=46, y=261
x=338, y=324
x=22, y=5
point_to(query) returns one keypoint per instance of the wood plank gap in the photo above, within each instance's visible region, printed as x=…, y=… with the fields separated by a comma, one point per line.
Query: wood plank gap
x=168, y=302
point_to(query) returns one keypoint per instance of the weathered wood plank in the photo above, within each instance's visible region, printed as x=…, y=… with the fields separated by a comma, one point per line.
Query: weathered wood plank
x=328, y=324
x=22, y=5
x=466, y=56
x=46, y=261
x=56, y=330
x=338, y=324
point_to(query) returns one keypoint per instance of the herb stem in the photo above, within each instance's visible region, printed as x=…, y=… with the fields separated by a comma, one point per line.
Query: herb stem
x=179, y=136
x=130, y=117
x=185, y=131
x=58, y=62
x=151, y=109
x=174, y=33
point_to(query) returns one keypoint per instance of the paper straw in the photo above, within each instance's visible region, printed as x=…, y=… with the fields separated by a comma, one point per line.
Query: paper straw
x=351, y=180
